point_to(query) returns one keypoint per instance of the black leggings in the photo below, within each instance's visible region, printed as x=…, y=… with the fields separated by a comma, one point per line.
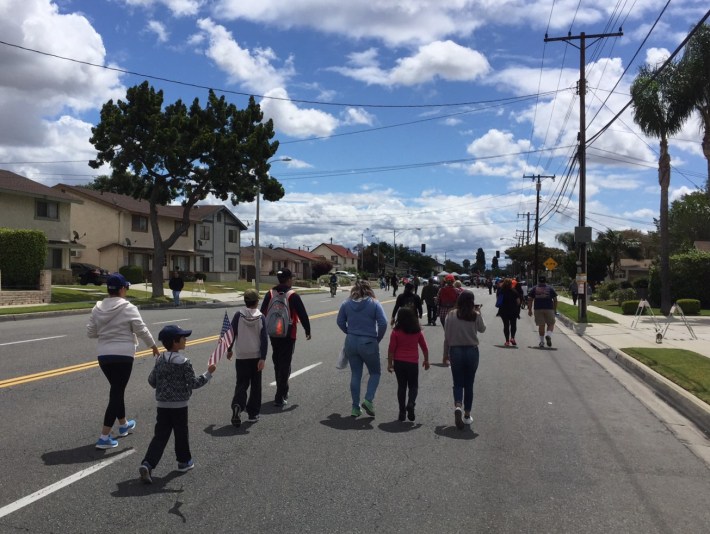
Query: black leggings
x=117, y=374
x=407, y=377
x=510, y=327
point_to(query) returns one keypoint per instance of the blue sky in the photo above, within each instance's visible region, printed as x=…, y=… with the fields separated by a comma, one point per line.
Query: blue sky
x=396, y=115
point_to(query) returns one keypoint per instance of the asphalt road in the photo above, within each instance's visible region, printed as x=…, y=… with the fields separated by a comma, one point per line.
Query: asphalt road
x=557, y=445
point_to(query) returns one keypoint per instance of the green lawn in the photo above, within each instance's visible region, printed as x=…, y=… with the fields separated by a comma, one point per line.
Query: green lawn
x=572, y=313
x=688, y=369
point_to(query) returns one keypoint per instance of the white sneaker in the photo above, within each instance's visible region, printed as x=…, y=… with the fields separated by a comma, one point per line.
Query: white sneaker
x=468, y=420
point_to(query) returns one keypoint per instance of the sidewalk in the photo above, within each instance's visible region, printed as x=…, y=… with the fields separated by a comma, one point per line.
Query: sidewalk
x=610, y=339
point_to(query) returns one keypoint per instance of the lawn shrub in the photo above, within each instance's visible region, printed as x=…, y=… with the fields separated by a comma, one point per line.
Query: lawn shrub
x=132, y=273
x=22, y=257
x=689, y=306
x=621, y=295
x=629, y=307
x=688, y=272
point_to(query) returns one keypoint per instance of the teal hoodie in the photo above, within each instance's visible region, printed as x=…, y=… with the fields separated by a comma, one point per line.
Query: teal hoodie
x=362, y=317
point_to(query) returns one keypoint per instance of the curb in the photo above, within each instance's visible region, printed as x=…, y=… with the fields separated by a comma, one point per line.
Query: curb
x=678, y=398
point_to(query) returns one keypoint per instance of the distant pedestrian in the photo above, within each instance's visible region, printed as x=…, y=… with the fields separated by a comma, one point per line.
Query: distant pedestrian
x=461, y=330
x=416, y=281
x=283, y=347
x=445, y=302
x=408, y=299
x=508, y=303
x=394, y=281
x=117, y=323
x=429, y=292
x=543, y=300
x=573, y=291
x=176, y=284
x=489, y=285
x=173, y=379
x=251, y=345
x=403, y=358
x=364, y=323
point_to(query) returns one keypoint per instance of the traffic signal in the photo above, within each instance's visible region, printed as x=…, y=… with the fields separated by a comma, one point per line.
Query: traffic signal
x=423, y=248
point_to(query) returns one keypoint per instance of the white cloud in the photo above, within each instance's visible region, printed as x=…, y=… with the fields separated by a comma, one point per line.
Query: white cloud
x=294, y=121
x=158, y=28
x=179, y=8
x=677, y=193
x=252, y=69
x=498, y=143
x=442, y=59
x=37, y=90
x=655, y=57
x=357, y=116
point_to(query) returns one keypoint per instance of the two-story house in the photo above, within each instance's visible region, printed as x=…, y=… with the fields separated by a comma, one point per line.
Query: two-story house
x=29, y=205
x=116, y=231
x=341, y=257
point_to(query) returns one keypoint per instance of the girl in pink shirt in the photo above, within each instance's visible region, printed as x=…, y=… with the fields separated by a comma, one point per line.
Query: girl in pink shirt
x=403, y=358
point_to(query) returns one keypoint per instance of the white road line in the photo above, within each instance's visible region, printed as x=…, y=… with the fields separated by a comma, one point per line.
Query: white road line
x=30, y=340
x=172, y=321
x=21, y=503
x=300, y=371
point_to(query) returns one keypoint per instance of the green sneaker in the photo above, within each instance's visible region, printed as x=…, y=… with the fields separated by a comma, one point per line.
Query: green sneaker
x=368, y=407
x=356, y=412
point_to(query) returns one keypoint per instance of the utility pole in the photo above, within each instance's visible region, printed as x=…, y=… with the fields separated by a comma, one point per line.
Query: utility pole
x=537, y=221
x=582, y=233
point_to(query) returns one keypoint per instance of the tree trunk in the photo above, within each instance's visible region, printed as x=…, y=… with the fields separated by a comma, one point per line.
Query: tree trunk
x=664, y=179
x=156, y=278
x=706, y=150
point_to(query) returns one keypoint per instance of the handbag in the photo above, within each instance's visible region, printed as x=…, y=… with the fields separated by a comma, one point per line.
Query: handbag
x=342, y=362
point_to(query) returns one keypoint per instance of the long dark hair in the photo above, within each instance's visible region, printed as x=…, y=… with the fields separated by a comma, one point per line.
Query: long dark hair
x=465, y=306
x=407, y=321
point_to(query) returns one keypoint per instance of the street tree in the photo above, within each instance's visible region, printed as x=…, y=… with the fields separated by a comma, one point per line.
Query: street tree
x=480, y=260
x=180, y=153
x=615, y=246
x=695, y=80
x=466, y=265
x=688, y=221
x=657, y=113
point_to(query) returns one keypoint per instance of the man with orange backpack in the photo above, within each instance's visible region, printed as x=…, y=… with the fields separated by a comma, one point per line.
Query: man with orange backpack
x=283, y=309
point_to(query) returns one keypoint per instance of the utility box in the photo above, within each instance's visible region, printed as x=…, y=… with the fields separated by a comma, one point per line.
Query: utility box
x=582, y=234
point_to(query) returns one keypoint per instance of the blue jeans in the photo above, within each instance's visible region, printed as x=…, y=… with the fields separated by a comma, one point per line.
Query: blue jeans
x=464, y=363
x=363, y=350
x=176, y=297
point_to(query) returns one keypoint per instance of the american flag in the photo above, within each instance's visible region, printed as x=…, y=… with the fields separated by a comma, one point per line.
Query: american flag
x=225, y=339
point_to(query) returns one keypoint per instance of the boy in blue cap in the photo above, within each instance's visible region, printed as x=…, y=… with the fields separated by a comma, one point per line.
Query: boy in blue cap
x=173, y=379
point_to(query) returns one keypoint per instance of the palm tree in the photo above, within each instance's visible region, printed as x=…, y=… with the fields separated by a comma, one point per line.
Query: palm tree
x=614, y=245
x=566, y=239
x=656, y=111
x=695, y=73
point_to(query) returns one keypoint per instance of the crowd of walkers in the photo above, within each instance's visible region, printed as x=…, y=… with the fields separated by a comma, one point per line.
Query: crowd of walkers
x=117, y=324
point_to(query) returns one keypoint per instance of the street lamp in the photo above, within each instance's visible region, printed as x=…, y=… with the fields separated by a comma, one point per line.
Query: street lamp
x=257, y=249
x=394, y=240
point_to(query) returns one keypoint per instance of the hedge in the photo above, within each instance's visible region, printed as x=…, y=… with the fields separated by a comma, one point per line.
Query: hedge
x=132, y=273
x=689, y=306
x=629, y=307
x=24, y=253
x=688, y=274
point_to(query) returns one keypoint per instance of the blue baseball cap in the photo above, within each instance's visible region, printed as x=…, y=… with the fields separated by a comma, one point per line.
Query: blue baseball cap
x=116, y=281
x=171, y=332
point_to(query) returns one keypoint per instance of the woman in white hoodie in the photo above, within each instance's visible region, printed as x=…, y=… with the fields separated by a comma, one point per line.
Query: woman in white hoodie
x=117, y=323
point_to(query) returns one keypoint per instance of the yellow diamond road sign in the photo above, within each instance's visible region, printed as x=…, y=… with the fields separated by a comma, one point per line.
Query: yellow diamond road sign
x=550, y=264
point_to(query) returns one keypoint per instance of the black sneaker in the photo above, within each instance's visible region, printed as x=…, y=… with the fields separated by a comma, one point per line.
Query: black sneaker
x=458, y=418
x=145, y=470
x=549, y=341
x=236, y=419
x=410, y=413
x=253, y=419
x=402, y=415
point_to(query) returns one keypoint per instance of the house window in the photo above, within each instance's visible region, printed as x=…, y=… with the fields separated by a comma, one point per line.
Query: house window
x=47, y=210
x=177, y=226
x=219, y=217
x=205, y=264
x=232, y=236
x=139, y=223
x=205, y=232
x=55, y=257
x=231, y=264
x=334, y=259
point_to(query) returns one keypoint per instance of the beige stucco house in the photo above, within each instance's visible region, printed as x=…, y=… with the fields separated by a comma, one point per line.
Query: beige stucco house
x=341, y=257
x=29, y=205
x=115, y=229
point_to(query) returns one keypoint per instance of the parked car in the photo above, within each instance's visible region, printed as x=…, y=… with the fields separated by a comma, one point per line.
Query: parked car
x=346, y=274
x=87, y=273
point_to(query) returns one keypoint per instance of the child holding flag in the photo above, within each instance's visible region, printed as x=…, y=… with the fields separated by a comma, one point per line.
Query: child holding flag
x=173, y=379
x=251, y=345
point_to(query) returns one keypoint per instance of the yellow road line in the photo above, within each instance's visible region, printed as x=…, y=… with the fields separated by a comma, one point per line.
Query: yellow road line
x=19, y=380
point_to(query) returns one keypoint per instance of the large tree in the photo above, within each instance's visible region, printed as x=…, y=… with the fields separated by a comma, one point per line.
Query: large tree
x=655, y=96
x=480, y=264
x=695, y=80
x=688, y=221
x=615, y=246
x=175, y=153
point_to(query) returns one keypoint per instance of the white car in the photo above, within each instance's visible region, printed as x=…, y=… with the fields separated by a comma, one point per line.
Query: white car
x=346, y=274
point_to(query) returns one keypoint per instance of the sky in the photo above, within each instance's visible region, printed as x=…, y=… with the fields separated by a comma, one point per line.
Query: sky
x=415, y=121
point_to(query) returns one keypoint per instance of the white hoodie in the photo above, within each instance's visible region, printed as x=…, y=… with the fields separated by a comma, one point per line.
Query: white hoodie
x=116, y=323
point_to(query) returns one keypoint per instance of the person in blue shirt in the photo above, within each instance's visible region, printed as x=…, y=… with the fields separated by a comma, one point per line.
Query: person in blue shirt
x=543, y=300
x=364, y=323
